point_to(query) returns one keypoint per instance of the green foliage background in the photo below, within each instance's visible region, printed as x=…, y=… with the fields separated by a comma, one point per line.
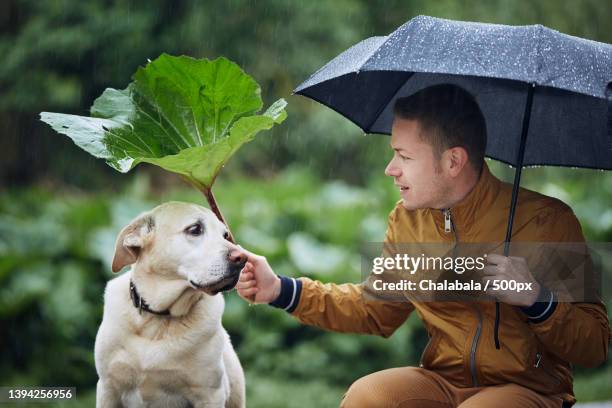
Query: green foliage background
x=306, y=195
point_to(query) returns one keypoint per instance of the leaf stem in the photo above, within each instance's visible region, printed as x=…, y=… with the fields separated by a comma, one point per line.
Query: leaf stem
x=213, y=206
x=212, y=203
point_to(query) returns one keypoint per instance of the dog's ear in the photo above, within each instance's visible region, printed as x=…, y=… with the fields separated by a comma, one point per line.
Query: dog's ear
x=130, y=241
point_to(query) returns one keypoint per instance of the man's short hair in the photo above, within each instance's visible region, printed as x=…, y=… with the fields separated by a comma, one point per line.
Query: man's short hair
x=449, y=116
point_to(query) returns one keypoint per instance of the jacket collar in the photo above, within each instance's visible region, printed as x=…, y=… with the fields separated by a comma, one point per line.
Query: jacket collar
x=476, y=203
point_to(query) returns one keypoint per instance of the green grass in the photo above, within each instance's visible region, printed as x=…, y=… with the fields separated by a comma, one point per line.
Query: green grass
x=594, y=387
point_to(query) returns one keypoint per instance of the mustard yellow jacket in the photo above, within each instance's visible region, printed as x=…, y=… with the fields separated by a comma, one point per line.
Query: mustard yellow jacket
x=535, y=353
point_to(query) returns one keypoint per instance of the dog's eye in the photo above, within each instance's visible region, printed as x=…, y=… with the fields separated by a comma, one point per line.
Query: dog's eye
x=195, y=229
x=226, y=236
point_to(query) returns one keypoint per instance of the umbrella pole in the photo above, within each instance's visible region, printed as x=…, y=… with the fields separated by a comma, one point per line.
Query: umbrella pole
x=515, y=189
x=519, y=166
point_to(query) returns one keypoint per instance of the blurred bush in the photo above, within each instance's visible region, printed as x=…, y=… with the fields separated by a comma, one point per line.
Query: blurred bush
x=55, y=252
x=56, y=249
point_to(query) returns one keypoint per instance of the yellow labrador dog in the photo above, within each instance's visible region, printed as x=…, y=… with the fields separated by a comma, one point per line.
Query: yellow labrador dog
x=161, y=343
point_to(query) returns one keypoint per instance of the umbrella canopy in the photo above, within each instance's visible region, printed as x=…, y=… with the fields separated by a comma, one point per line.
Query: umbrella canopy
x=555, y=88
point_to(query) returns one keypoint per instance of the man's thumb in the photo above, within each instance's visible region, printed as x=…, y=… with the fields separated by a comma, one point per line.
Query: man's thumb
x=251, y=256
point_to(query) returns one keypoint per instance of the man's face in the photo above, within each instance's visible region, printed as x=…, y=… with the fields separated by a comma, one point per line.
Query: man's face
x=416, y=170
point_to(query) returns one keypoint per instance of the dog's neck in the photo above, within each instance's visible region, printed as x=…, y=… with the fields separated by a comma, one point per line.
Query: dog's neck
x=141, y=304
x=172, y=298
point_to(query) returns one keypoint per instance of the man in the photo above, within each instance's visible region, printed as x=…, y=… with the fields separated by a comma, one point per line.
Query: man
x=519, y=351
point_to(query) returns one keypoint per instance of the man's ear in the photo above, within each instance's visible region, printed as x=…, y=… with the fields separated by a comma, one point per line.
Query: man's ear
x=130, y=241
x=458, y=158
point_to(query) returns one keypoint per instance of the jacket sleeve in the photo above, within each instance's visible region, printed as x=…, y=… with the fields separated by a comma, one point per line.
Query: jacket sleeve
x=346, y=307
x=577, y=332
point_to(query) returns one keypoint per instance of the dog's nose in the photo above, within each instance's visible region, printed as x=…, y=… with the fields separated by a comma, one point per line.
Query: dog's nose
x=237, y=257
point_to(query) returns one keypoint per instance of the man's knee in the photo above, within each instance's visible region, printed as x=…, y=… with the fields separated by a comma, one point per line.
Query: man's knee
x=396, y=387
x=361, y=394
x=512, y=395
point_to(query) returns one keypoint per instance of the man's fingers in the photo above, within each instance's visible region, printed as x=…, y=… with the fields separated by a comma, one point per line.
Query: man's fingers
x=246, y=284
x=248, y=253
x=490, y=271
x=245, y=293
x=252, y=258
x=248, y=267
x=495, y=258
x=245, y=276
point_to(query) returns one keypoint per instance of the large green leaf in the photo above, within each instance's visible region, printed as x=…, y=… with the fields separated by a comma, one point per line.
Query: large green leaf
x=185, y=115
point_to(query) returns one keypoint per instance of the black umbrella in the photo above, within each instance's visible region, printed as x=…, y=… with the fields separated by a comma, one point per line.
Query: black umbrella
x=546, y=96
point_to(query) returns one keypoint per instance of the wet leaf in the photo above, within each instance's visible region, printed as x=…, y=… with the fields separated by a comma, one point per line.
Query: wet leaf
x=185, y=115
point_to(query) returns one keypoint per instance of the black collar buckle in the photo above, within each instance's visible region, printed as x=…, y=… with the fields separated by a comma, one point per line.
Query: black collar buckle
x=140, y=304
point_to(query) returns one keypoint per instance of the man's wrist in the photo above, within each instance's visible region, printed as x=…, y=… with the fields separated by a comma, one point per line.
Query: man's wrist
x=277, y=288
x=289, y=296
x=536, y=295
x=543, y=307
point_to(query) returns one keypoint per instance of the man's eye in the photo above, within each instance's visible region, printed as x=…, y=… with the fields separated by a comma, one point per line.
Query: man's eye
x=401, y=156
x=195, y=229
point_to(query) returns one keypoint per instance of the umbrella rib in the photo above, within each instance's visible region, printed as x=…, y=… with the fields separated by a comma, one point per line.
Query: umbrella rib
x=383, y=106
x=539, y=58
x=526, y=166
x=387, y=38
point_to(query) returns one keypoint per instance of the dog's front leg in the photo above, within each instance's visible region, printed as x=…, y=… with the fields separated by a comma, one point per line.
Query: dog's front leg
x=106, y=397
x=213, y=398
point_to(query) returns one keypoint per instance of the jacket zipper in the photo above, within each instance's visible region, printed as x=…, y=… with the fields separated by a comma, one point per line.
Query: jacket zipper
x=538, y=364
x=448, y=223
x=449, y=226
x=427, y=347
x=473, y=350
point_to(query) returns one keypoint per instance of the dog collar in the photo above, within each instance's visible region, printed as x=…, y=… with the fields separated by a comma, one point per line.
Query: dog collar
x=140, y=304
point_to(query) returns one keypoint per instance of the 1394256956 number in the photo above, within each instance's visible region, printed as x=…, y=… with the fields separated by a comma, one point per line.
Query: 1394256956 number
x=38, y=393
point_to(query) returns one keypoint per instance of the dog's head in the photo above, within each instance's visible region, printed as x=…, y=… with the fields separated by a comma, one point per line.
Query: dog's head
x=181, y=241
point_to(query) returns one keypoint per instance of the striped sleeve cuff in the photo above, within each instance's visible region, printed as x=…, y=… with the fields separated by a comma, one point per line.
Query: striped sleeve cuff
x=543, y=308
x=289, y=296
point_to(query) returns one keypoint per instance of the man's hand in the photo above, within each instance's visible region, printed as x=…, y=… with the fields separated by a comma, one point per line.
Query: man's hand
x=511, y=268
x=258, y=283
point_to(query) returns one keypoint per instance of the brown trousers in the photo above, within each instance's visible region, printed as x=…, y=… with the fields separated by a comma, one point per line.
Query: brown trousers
x=410, y=387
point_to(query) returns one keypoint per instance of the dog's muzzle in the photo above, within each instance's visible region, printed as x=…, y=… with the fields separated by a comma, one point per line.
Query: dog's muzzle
x=227, y=282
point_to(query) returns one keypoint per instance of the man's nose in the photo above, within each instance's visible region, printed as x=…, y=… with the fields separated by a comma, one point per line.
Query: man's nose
x=392, y=171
